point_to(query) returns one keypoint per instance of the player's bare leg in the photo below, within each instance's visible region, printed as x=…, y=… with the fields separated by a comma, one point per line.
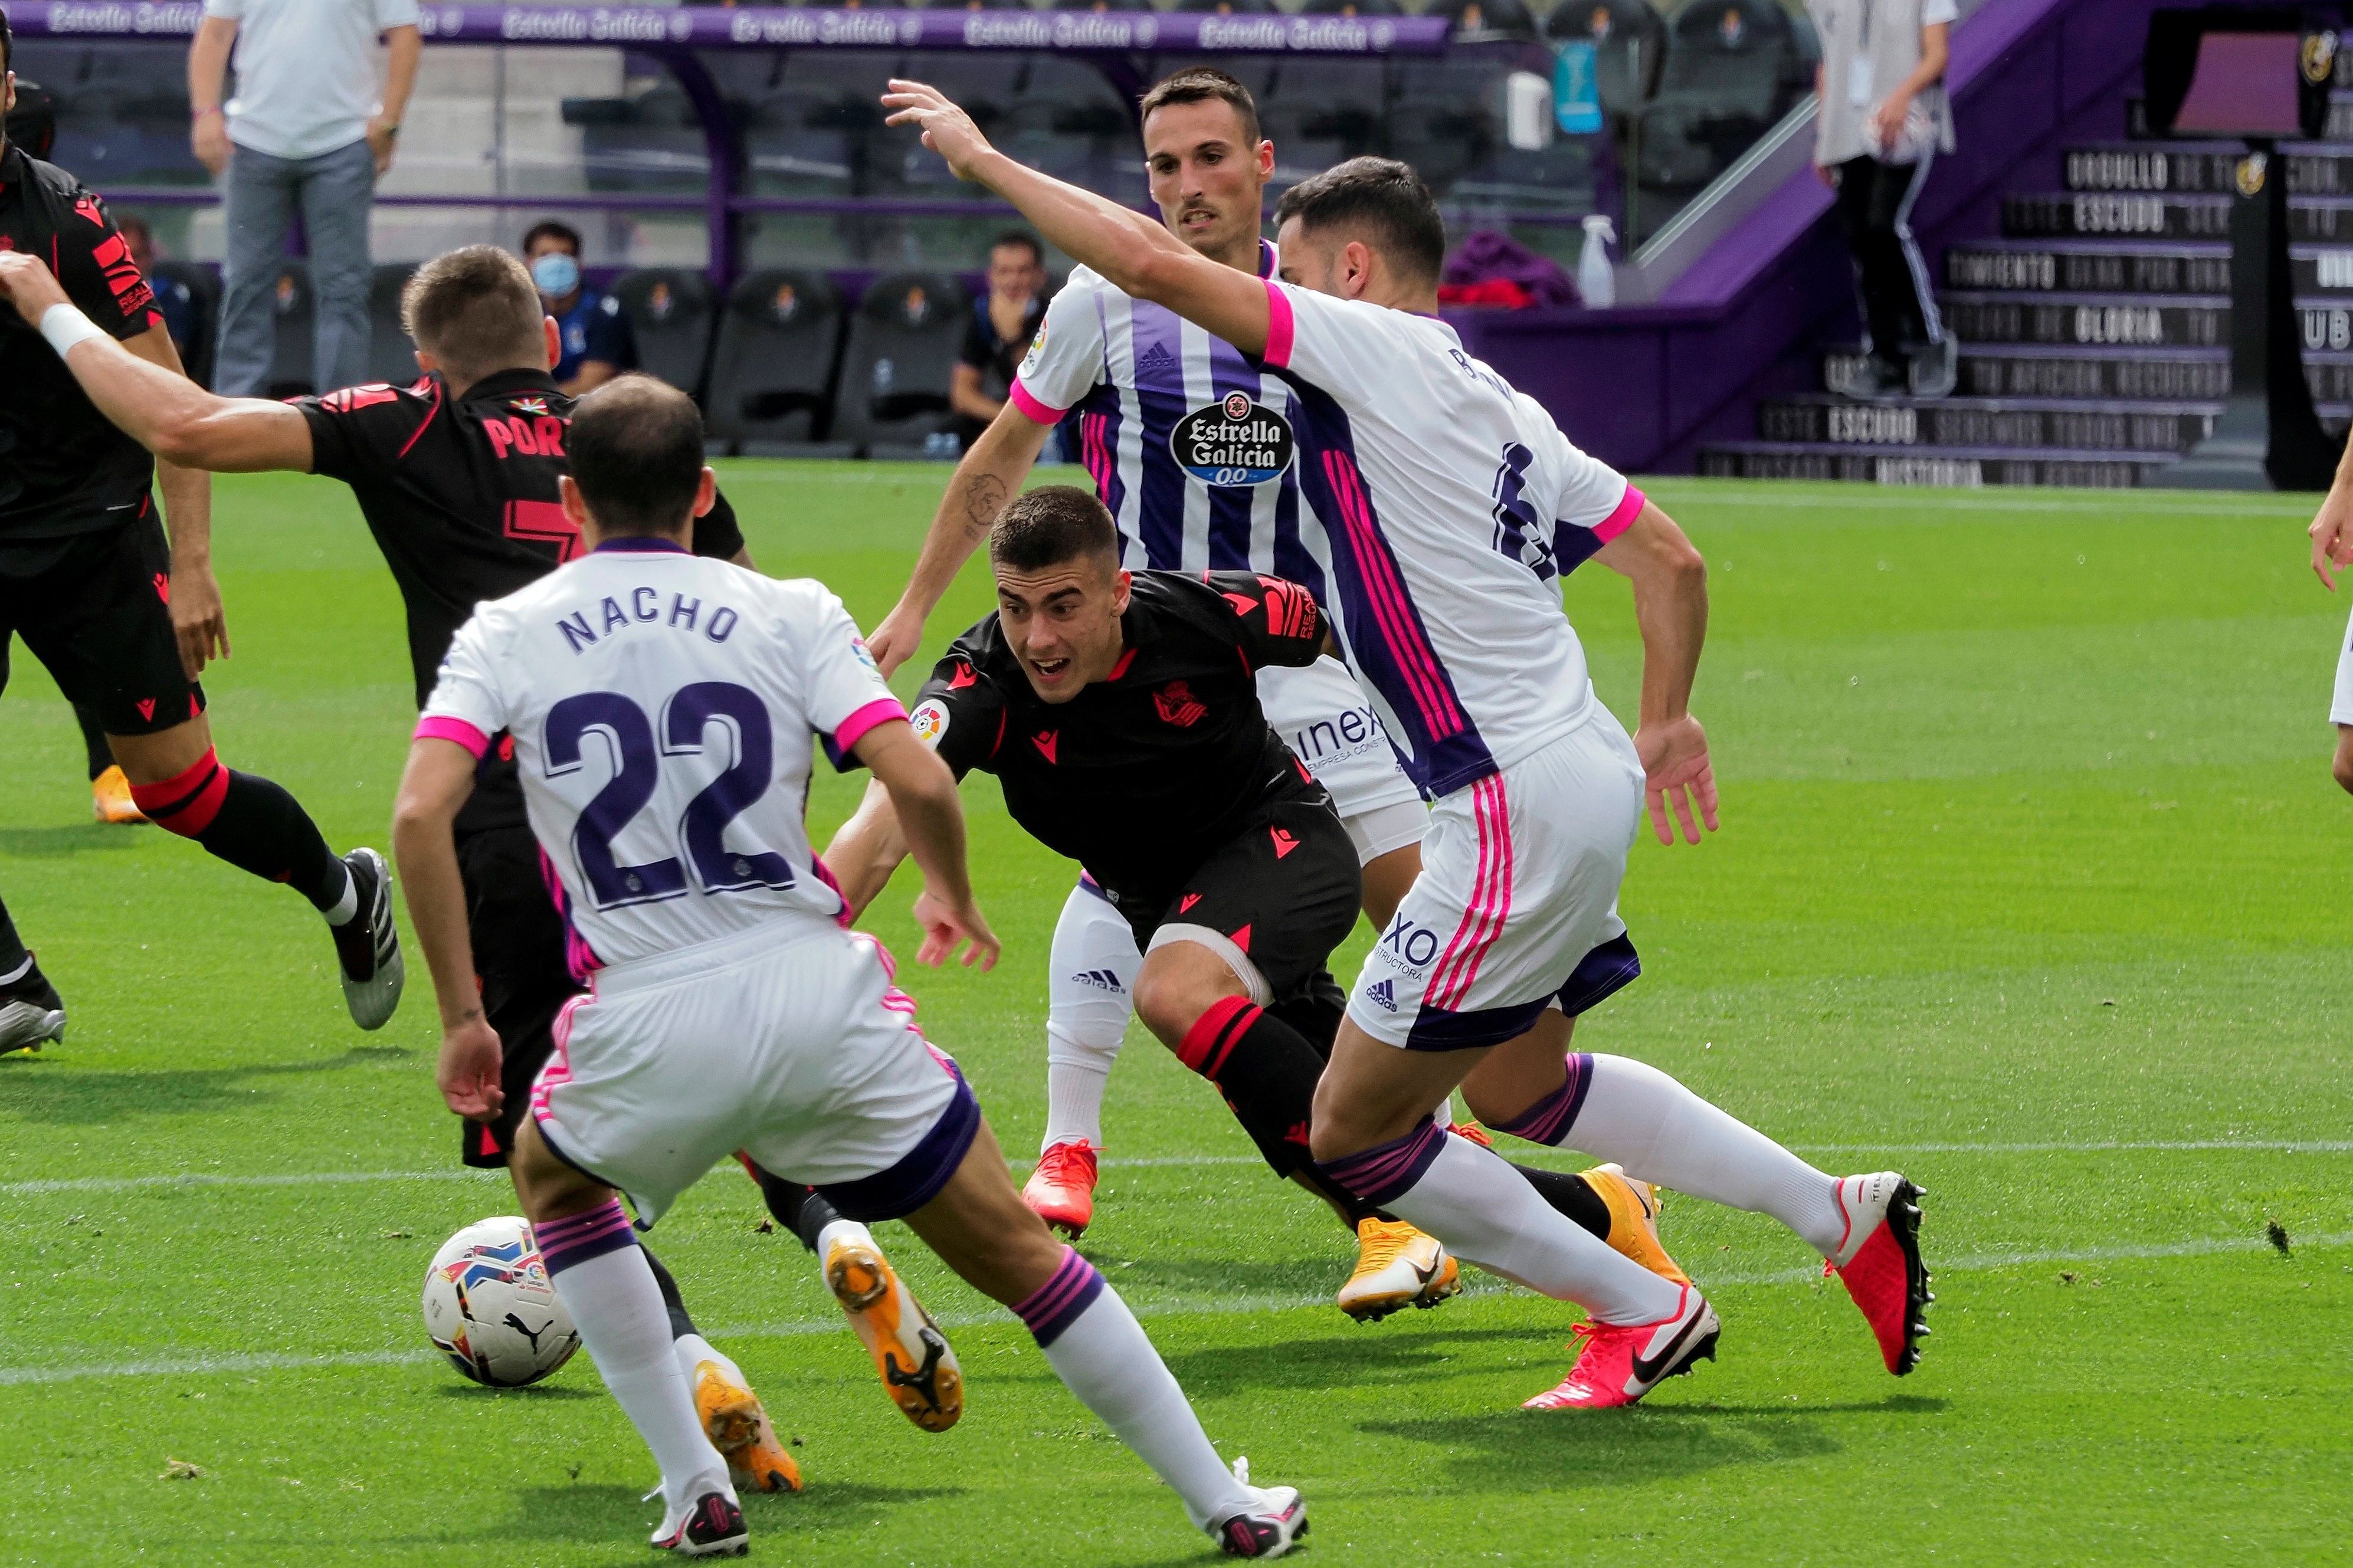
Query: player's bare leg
x=1387, y=876
x=601, y=1276
x=1374, y=1132
x=1191, y=997
x=182, y=786
x=1638, y=1117
x=979, y=1227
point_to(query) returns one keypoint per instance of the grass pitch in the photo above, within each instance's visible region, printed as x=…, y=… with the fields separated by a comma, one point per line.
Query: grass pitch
x=2030, y=883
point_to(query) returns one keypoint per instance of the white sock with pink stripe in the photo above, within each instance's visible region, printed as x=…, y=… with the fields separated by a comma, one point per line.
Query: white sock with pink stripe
x=601, y=1276
x=1100, y=1352
x=1661, y=1132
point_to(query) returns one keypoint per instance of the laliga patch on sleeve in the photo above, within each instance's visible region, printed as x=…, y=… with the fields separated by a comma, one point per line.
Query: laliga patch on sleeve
x=931, y=721
x=1036, y=354
x=858, y=647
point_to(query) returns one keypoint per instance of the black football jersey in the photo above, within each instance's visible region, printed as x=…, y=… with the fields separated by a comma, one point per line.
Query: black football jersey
x=1142, y=775
x=461, y=497
x=64, y=466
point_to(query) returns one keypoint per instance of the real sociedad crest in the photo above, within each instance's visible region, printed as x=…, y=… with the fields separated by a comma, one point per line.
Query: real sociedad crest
x=1238, y=441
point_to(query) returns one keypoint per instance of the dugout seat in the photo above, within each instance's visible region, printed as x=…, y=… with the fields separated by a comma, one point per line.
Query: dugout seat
x=1732, y=68
x=1230, y=7
x=199, y=287
x=903, y=341
x=771, y=372
x=391, y=356
x=670, y=311
x=293, y=358
x=1480, y=20
x=1615, y=28
x=1352, y=8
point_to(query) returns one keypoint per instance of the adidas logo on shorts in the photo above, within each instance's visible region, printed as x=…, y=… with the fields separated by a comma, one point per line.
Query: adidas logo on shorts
x=1101, y=979
x=1383, y=994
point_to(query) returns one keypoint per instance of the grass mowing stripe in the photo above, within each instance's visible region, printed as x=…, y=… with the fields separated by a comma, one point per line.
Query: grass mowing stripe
x=1163, y=1162
x=1183, y=1307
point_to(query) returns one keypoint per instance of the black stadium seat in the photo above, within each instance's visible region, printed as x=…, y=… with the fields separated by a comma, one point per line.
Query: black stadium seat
x=1353, y=8
x=772, y=374
x=293, y=358
x=1614, y=28
x=903, y=343
x=1732, y=68
x=201, y=288
x=670, y=311
x=391, y=356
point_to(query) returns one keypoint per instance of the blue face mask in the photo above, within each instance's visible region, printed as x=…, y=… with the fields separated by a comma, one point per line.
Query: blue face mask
x=555, y=273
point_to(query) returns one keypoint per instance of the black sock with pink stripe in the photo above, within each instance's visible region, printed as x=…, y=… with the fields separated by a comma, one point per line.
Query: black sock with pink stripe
x=1267, y=1071
x=250, y=822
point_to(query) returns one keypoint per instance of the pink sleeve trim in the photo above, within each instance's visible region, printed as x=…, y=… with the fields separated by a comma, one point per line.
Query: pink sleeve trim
x=1278, y=326
x=852, y=729
x=1031, y=409
x=1619, y=521
x=438, y=727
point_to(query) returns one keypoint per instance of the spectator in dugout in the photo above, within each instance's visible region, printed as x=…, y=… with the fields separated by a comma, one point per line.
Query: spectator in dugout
x=999, y=334
x=597, y=342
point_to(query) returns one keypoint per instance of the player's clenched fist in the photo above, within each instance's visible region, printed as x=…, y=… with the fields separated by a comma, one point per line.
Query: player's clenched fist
x=29, y=285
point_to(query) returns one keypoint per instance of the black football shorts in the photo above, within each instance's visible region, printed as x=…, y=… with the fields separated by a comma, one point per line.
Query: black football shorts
x=95, y=609
x=1285, y=891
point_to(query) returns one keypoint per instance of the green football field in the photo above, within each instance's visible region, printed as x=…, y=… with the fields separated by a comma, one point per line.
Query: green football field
x=2032, y=883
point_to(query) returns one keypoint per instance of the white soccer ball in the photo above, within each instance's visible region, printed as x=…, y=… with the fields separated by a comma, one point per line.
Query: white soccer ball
x=489, y=1308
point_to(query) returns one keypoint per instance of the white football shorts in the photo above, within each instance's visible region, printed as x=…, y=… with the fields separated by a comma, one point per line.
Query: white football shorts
x=1324, y=717
x=1516, y=905
x=787, y=1041
x=2340, y=708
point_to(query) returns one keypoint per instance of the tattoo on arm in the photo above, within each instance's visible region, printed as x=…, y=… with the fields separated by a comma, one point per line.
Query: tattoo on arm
x=984, y=498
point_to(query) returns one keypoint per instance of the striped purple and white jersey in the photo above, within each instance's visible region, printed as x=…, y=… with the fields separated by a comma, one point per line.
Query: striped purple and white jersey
x=1188, y=444
x=1441, y=509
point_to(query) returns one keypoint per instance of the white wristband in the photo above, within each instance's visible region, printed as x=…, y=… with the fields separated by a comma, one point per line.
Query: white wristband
x=64, y=326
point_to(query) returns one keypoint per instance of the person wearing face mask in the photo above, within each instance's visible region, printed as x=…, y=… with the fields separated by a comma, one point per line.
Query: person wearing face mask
x=595, y=335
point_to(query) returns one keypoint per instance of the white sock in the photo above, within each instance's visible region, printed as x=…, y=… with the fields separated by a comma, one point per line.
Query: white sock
x=1094, y=964
x=619, y=1310
x=839, y=1230
x=1662, y=1132
x=1102, y=1355
x=1486, y=1213
x=693, y=1350
x=348, y=904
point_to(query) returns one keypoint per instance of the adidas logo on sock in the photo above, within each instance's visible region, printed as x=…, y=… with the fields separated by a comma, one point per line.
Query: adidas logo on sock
x=1101, y=979
x=1384, y=995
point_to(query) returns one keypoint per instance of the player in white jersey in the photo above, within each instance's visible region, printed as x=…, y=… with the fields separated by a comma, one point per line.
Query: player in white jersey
x=1446, y=502
x=663, y=708
x=1190, y=445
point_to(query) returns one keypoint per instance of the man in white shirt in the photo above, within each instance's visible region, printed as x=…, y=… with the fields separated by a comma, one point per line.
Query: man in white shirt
x=1442, y=502
x=312, y=126
x=662, y=709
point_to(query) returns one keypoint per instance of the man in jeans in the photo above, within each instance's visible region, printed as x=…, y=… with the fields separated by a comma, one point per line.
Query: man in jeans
x=312, y=125
x=1882, y=119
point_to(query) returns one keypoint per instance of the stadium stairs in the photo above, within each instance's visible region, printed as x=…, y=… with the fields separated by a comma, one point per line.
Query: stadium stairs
x=2093, y=332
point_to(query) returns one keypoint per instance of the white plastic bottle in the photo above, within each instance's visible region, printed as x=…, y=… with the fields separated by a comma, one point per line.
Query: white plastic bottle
x=1596, y=279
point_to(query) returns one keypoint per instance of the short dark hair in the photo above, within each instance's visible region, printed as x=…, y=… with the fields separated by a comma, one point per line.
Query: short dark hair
x=7, y=44
x=548, y=228
x=635, y=446
x=1023, y=238
x=1201, y=84
x=1051, y=525
x=476, y=309
x=1381, y=199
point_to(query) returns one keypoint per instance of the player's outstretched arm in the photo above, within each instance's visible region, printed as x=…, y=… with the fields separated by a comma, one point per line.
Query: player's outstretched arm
x=160, y=408
x=438, y=778
x=991, y=475
x=930, y=814
x=1669, y=583
x=865, y=849
x=1134, y=252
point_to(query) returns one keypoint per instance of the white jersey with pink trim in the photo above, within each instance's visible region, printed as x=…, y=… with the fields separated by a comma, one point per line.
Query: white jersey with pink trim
x=660, y=707
x=1444, y=507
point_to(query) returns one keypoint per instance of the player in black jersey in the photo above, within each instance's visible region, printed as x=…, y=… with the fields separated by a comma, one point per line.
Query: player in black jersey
x=124, y=618
x=457, y=476
x=1119, y=712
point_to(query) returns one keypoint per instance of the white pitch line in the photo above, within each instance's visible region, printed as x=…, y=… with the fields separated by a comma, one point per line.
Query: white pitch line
x=195, y=1180
x=192, y=1366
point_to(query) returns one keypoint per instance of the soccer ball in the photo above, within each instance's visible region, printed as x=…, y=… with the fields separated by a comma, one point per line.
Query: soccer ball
x=490, y=1308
